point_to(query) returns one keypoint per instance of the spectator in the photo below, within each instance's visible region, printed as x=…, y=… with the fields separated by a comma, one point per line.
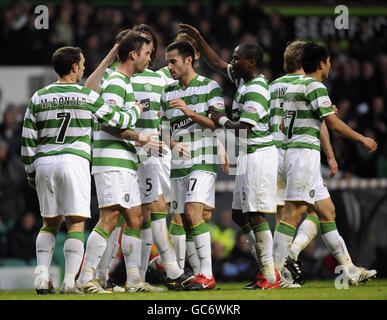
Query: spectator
x=21, y=238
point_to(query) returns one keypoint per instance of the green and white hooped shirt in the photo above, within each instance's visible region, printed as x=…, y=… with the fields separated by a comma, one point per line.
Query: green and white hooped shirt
x=306, y=103
x=277, y=90
x=201, y=94
x=109, y=152
x=59, y=120
x=251, y=105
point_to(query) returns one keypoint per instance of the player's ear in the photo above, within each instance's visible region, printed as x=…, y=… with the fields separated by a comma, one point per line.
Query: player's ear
x=75, y=67
x=133, y=54
x=188, y=60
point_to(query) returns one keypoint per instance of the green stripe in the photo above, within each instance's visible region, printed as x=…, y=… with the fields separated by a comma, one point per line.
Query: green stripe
x=307, y=131
x=246, y=229
x=114, y=144
x=28, y=142
x=254, y=147
x=121, y=222
x=327, y=227
x=177, y=173
x=286, y=229
x=76, y=235
x=147, y=123
x=199, y=229
x=67, y=140
x=54, y=123
x=64, y=151
x=314, y=219
x=175, y=229
x=189, y=237
x=300, y=145
x=261, y=227
x=159, y=215
x=49, y=230
x=113, y=162
x=146, y=225
x=132, y=233
x=102, y=232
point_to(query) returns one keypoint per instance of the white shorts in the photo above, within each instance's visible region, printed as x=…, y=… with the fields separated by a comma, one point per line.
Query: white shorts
x=281, y=178
x=256, y=181
x=198, y=186
x=164, y=176
x=117, y=187
x=63, y=185
x=303, y=176
x=148, y=179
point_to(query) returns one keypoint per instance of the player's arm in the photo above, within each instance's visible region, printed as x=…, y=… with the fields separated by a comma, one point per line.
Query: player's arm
x=337, y=125
x=328, y=150
x=123, y=119
x=196, y=117
x=29, y=143
x=221, y=120
x=210, y=56
x=178, y=148
x=93, y=81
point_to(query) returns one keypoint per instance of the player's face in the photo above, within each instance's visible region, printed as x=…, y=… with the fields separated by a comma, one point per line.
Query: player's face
x=239, y=63
x=176, y=65
x=143, y=58
x=326, y=67
x=81, y=68
x=149, y=37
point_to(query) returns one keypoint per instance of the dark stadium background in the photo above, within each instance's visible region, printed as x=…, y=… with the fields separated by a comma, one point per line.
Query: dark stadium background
x=357, y=86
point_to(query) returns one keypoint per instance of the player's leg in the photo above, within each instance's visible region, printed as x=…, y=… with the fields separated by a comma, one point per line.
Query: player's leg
x=52, y=219
x=73, y=249
x=178, y=235
x=306, y=232
x=103, y=268
x=336, y=244
x=148, y=182
x=146, y=238
x=200, y=196
x=131, y=241
x=286, y=230
x=162, y=240
x=96, y=246
x=263, y=247
x=45, y=246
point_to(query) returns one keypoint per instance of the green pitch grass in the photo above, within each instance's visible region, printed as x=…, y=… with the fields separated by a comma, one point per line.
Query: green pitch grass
x=375, y=289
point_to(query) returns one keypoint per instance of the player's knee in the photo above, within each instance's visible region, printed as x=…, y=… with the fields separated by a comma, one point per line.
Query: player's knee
x=207, y=215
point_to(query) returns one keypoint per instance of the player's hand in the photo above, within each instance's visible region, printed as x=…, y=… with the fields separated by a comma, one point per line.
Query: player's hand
x=335, y=110
x=215, y=115
x=181, y=150
x=190, y=30
x=181, y=105
x=31, y=183
x=112, y=55
x=151, y=146
x=224, y=160
x=370, y=144
x=139, y=104
x=333, y=166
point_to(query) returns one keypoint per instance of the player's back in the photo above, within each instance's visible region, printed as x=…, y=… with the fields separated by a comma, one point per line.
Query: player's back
x=63, y=120
x=306, y=101
x=277, y=90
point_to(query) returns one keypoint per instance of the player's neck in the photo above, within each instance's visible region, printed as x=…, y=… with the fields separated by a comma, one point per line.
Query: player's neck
x=187, y=78
x=298, y=71
x=68, y=78
x=251, y=75
x=316, y=75
x=126, y=69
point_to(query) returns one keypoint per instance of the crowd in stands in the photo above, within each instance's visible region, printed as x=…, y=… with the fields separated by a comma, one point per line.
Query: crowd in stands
x=357, y=81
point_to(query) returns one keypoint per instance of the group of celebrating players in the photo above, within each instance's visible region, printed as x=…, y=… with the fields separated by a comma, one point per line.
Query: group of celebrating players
x=151, y=139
